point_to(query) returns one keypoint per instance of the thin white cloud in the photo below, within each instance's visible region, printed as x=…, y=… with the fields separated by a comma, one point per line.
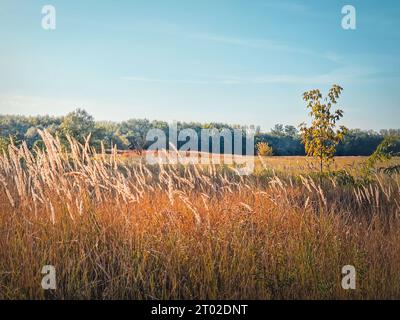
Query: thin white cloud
x=165, y=81
x=265, y=44
x=172, y=29
x=341, y=75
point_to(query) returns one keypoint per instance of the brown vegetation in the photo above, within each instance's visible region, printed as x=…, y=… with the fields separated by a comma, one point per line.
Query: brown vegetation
x=133, y=231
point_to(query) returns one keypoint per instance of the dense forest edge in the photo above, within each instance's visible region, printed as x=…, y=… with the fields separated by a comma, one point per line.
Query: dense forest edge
x=285, y=140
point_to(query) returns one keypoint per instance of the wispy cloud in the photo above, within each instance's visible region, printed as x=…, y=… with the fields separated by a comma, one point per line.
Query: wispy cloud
x=265, y=44
x=166, y=81
x=341, y=75
x=166, y=28
x=246, y=42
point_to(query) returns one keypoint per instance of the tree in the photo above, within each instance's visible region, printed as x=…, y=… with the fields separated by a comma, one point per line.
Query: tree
x=291, y=131
x=359, y=143
x=135, y=131
x=387, y=149
x=4, y=143
x=284, y=131
x=264, y=150
x=322, y=137
x=278, y=130
x=78, y=124
x=108, y=133
x=31, y=136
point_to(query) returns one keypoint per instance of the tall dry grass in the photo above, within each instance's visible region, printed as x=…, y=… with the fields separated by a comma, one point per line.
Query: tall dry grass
x=117, y=231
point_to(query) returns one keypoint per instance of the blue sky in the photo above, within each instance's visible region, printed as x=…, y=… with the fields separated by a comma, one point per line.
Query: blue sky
x=233, y=61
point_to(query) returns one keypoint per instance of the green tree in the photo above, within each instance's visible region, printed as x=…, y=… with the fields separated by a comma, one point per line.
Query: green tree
x=4, y=143
x=135, y=131
x=78, y=124
x=31, y=136
x=322, y=137
x=388, y=148
x=108, y=133
x=278, y=130
x=291, y=131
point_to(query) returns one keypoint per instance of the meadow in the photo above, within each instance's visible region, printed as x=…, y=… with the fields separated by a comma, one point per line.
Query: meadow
x=117, y=228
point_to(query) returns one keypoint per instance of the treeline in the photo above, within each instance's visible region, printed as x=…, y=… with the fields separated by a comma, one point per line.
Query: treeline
x=131, y=134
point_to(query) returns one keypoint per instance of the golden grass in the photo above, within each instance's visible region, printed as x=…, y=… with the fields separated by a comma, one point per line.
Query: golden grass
x=300, y=165
x=130, y=231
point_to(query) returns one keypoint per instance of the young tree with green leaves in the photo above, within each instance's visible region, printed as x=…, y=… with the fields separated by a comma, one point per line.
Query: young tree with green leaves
x=322, y=137
x=388, y=148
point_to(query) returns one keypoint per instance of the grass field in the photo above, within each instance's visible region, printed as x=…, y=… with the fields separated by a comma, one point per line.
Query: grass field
x=115, y=228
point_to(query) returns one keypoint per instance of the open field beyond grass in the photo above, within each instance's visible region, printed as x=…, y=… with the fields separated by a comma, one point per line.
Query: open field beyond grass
x=286, y=165
x=119, y=229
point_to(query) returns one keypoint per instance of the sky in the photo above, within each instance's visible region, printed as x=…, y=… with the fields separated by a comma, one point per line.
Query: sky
x=233, y=61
